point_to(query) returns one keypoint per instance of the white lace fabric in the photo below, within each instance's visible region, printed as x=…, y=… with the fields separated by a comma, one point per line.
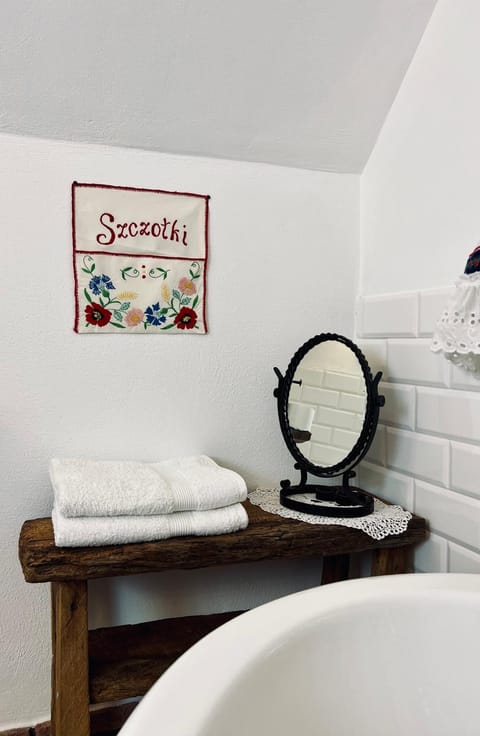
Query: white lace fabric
x=384, y=521
x=457, y=333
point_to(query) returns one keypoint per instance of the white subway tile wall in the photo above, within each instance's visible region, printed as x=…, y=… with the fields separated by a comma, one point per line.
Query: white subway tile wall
x=418, y=454
x=412, y=361
x=391, y=486
x=388, y=314
x=431, y=304
x=377, y=354
x=463, y=560
x=452, y=412
x=432, y=555
x=460, y=378
x=464, y=468
x=426, y=455
x=399, y=409
x=449, y=513
x=378, y=449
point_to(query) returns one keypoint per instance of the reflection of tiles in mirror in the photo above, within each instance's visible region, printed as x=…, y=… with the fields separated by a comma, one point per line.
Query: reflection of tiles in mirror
x=339, y=401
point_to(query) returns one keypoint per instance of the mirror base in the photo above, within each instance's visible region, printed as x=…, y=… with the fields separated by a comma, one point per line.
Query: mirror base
x=342, y=502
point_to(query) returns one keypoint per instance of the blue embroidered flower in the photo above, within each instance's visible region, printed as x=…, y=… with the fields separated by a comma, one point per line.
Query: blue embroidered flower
x=154, y=316
x=100, y=283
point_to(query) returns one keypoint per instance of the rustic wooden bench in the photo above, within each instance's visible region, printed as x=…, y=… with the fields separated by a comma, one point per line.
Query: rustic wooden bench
x=111, y=664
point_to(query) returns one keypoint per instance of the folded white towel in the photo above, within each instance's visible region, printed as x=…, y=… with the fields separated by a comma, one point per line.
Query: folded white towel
x=128, y=488
x=98, y=531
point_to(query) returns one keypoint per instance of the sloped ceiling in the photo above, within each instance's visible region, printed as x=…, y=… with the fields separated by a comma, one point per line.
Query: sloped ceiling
x=304, y=83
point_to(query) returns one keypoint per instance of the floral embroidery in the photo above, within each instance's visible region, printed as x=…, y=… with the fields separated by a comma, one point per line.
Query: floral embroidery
x=174, y=309
x=134, y=317
x=101, y=285
x=95, y=314
x=186, y=319
x=187, y=286
x=154, y=315
x=181, y=299
x=165, y=292
x=128, y=295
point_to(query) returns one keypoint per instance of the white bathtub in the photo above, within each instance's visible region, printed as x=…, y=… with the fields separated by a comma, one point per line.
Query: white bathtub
x=385, y=656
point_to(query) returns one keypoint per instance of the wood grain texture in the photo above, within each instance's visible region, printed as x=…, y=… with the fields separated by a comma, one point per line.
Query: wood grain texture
x=389, y=561
x=267, y=537
x=70, y=713
x=42, y=729
x=103, y=719
x=125, y=661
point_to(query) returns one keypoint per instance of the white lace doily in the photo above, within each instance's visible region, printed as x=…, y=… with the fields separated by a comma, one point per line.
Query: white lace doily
x=384, y=521
x=457, y=333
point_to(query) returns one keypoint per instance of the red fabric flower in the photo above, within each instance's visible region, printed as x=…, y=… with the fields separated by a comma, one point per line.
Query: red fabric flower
x=95, y=314
x=186, y=319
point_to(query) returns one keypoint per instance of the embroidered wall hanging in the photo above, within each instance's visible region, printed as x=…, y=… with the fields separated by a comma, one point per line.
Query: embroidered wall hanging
x=139, y=260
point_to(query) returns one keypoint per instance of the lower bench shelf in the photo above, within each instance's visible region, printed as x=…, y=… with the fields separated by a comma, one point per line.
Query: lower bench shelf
x=125, y=661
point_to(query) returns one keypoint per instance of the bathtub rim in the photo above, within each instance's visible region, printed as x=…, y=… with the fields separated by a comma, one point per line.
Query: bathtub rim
x=259, y=630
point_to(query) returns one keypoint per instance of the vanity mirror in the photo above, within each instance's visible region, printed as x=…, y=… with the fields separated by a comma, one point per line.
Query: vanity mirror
x=328, y=406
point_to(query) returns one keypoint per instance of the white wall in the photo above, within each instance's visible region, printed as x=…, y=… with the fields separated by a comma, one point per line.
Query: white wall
x=420, y=217
x=420, y=191
x=283, y=267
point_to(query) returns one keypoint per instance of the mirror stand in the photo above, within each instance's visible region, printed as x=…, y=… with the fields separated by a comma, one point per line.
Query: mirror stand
x=305, y=374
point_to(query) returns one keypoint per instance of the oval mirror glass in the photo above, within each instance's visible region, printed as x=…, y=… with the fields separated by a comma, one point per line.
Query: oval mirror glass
x=327, y=403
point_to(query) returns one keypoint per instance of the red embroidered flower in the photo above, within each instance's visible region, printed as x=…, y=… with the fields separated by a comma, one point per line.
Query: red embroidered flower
x=95, y=314
x=186, y=319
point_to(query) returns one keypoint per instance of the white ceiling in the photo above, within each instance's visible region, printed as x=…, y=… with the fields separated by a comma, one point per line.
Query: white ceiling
x=302, y=83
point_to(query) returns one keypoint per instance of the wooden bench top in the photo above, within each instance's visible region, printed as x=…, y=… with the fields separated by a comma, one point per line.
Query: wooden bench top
x=267, y=537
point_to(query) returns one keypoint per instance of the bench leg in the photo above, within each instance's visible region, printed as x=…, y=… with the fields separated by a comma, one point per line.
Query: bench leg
x=70, y=699
x=389, y=561
x=335, y=568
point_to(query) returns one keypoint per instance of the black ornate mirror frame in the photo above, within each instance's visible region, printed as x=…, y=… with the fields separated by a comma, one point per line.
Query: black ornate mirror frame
x=351, y=501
